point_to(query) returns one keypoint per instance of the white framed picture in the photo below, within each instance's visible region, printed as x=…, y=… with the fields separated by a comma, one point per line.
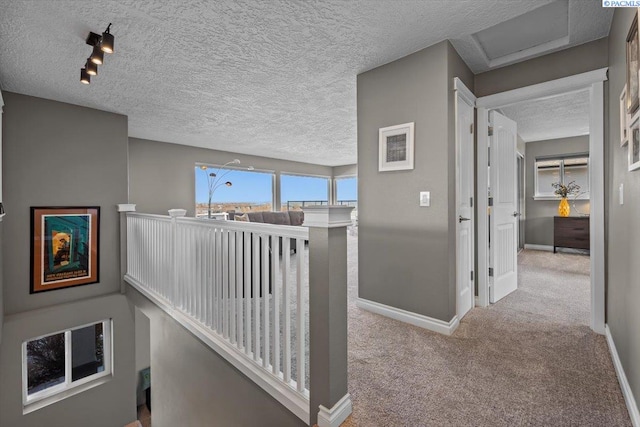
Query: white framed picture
x=395, y=144
x=634, y=144
x=624, y=118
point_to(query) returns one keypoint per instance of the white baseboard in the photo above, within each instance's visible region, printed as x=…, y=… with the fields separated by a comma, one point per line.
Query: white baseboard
x=436, y=325
x=632, y=406
x=337, y=414
x=538, y=247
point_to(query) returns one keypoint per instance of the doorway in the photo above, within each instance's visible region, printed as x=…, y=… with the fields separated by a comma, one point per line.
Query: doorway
x=593, y=83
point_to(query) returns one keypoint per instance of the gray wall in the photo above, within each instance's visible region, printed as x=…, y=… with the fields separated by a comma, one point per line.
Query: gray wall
x=539, y=213
x=345, y=170
x=579, y=59
x=107, y=405
x=1, y=226
x=405, y=250
x=143, y=352
x=623, y=246
x=161, y=175
x=58, y=154
x=193, y=386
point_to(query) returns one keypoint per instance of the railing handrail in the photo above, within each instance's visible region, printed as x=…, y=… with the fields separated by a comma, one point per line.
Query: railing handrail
x=290, y=231
x=148, y=215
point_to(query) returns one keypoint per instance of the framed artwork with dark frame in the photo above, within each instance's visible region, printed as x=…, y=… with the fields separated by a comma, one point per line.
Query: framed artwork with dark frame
x=64, y=247
x=624, y=118
x=395, y=146
x=634, y=144
x=633, y=66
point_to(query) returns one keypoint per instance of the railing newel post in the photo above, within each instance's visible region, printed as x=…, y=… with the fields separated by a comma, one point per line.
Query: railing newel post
x=330, y=403
x=123, y=208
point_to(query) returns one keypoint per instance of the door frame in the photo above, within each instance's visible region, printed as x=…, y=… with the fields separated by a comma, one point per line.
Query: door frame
x=522, y=185
x=462, y=93
x=593, y=81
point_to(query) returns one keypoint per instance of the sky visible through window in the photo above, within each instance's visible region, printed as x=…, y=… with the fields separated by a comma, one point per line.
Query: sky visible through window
x=256, y=187
x=347, y=188
x=251, y=187
x=296, y=187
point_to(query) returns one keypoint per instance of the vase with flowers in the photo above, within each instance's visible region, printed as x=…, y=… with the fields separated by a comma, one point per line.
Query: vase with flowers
x=564, y=191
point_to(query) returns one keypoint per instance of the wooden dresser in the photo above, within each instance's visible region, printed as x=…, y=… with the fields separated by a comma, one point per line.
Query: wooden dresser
x=571, y=232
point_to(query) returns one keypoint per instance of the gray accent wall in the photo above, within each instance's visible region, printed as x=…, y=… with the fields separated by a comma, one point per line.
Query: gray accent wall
x=623, y=245
x=405, y=251
x=575, y=60
x=192, y=385
x=57, y=154
x=106, y=405
x=539, y=213
x=161, y=175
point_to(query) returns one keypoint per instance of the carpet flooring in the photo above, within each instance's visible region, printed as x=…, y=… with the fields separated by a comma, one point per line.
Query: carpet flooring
x=529, y=360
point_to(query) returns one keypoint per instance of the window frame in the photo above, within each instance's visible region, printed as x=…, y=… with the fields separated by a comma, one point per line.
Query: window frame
x=307, y=175
x=68, y=387
x=561, y=159
x=335, y=186
x=198, y=165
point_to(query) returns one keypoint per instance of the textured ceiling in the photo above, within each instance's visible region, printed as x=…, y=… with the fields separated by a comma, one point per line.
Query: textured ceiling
x=274, y=78
x=537, y=32
x=551, y=118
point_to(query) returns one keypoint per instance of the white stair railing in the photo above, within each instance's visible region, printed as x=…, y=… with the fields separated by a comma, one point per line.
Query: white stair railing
x=239, y=286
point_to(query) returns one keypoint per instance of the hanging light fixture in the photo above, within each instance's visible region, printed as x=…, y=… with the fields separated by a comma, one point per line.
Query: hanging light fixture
x=107, y=41
x=97, y=56
x=92, y=69
x=85, y=78
x=101, y=44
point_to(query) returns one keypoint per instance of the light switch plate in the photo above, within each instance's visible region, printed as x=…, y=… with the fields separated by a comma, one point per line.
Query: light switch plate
x=425, y=198
x=621, y=194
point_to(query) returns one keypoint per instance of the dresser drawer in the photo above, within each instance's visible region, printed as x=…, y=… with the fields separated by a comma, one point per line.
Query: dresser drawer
x=571, y=232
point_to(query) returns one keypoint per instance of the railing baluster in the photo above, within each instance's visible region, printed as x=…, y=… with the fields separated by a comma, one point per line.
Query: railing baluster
x=232, y=285
x=210, y=252
x=238, y=291
x=247, y=292
x=286, y=363
x=275, y=275
x=266, y=290
x=300, y=328
x=255, y=260
x=218, y=297
x=225, y=283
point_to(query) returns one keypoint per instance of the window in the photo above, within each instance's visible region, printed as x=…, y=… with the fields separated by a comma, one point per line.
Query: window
x=232, y=190
x=563, y=170
x=55, y=363
x=347, y=191
x=297, y=191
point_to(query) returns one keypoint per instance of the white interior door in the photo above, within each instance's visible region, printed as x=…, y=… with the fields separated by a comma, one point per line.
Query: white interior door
x=465, y=179
x=503, y=222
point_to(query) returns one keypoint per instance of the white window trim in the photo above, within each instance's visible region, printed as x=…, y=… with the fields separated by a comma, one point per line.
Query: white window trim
x=538, y=196
x=240, y=169
x=68, y=388
x=330, y=193
x=339, y=178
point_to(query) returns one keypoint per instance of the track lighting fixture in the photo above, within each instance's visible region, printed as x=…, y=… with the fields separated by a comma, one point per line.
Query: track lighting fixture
x=97, y=56
x=107, y=40
x=85, y=78
x=92, y=69
x=101, y=44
